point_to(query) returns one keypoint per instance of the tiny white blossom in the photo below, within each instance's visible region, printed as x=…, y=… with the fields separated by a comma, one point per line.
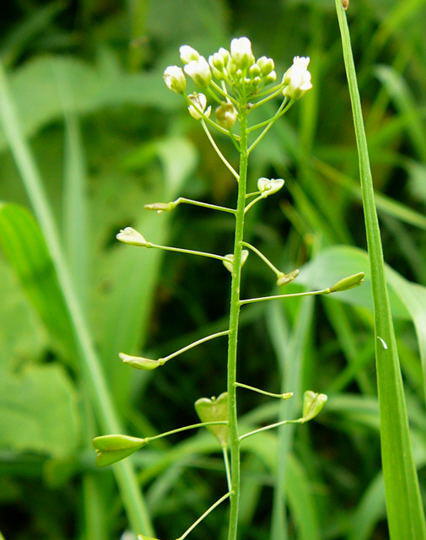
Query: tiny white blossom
x=199, y=71
x=188, y=54
x=241, y=52
x=297, y=78
x=130, y=236
x=198, y=109
x=175, y=79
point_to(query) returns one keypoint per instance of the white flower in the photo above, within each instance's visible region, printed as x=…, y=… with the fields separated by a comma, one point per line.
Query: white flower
x=199, y=106
x=241, y=53
x=199, y=71
x=188, y=54
x=175, y=79
x=132, y=237
x=297, y=78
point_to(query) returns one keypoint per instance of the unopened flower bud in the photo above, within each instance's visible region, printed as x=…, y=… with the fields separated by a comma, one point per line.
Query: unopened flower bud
x=188, y=54
x=254, y=71
x=199, y=71
x=175, y=79
x=215, y=410
x=271, y=77
x=198, y=107
x=297, y=79
x=313, y=404
x=160, y=207
x=139, y=362
x=226, y=115
x=269, y=186
x=284, y=279
x=113, y=448
x=265, y=64
x=241, y=52
x=128, y=235
x=217, y=74
x=229, y=262
x=219, y=59
x=348, y=282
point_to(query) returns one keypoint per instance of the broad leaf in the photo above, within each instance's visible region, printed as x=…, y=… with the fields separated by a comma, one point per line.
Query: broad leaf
x=38, y=411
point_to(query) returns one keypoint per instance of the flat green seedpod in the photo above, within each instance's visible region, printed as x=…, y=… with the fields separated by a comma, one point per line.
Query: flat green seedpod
x=113, y=448
x=138, y=362
x=215, y=410
x=348, y=282
x=229, y=262
x=269, y=186
x=313, y=404
x=284, y=279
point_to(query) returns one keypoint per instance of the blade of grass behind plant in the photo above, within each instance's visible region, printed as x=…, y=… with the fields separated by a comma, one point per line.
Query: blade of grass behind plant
x=24, y=248
x=76, y=234
x=384, y=204
x=90, y=363
x=36, y=22
x=289, y=349
x=403, y=502
x=337, y=315
x=400, y=93
x=135, y=271
x=76, y=229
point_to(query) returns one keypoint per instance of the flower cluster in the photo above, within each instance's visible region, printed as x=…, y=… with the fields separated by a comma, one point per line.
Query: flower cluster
x=232, y=77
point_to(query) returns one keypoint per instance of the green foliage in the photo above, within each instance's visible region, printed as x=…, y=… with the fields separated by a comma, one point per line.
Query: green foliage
x=42, y=401
x=25, y=249
x=87, y=84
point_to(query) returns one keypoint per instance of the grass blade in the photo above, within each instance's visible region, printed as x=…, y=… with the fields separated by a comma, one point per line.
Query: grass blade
x=25, y=250
x=289, y=350
x=403, y=502
x=90, y=364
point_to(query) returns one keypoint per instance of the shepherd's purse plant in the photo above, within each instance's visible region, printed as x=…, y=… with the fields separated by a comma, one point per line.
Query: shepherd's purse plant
x=233, y=83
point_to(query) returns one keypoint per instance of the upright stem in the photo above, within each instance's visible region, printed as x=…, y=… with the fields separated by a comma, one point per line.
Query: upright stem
x=233, y=330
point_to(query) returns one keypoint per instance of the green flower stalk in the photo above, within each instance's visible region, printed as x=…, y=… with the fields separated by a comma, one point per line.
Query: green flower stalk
x=233, y=84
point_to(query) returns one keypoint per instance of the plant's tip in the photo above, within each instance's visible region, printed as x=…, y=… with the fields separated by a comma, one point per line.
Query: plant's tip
x=128, y=235
x=345, y=4
x=348, y=282
x=287, y=395
x=140, y=362
x=313, y=404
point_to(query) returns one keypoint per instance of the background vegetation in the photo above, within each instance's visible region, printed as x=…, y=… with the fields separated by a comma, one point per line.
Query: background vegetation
x=108, y=137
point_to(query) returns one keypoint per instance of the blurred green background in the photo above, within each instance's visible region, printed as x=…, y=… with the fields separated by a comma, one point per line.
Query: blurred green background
x=108, y=137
